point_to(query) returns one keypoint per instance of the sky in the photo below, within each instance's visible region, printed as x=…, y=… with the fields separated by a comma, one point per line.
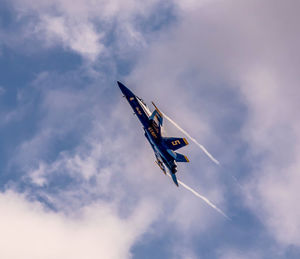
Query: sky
x=78, y=178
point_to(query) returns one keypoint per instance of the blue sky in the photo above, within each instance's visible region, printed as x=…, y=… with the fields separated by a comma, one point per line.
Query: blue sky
x=78, y=179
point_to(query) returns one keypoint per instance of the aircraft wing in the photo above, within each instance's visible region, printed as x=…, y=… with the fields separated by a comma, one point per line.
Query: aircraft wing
x=175, y=143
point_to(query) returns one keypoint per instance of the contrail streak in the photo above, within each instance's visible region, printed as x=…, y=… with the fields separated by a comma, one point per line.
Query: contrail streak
x=201, y=197
x=192, y=139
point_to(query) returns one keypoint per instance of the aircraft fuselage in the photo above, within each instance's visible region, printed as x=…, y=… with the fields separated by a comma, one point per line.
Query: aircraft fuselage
x=152, y=128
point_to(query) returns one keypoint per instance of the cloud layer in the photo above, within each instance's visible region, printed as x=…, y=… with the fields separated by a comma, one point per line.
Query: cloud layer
x=28, y=230
x=226, y=70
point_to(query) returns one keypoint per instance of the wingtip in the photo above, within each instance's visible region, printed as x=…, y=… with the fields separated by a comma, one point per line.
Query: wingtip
x=185, y=141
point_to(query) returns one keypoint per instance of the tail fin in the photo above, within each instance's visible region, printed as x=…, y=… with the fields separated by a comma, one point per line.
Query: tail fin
x=157, y=116
x=175, y=143
x=160, y=114
x=174, y=178
x=181, y=158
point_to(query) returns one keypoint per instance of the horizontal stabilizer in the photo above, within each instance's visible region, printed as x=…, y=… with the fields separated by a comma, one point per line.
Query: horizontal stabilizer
x=181, y=158
x=175, y=143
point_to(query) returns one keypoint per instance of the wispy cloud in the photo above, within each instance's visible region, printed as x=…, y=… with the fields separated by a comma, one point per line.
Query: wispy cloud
x=222, y=47
x=79, y=37
x=84, y=27
x=74, y=153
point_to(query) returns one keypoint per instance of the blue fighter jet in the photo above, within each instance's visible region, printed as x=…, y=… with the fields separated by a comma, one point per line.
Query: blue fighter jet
x=163, y=147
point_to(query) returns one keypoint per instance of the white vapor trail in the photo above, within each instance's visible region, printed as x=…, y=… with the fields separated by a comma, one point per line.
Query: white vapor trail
x=192, y=139
x=209, y=155
x=201, y=197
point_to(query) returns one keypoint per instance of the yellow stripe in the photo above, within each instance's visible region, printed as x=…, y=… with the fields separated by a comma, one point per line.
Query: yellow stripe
x=186, y=158
x=185, y=141
x=159, y=112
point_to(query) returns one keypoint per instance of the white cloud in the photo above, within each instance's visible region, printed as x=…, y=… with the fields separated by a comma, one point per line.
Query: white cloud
x=82, y=26
x=269, y=84
x=79, y=37
x=98, y=231
x=244, y=47
x=37, y=176
x=274, y=135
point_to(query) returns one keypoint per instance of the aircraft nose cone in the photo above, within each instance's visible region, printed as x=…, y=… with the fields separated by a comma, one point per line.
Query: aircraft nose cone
x=125, y=90
x=120, y=84
x=122, y=87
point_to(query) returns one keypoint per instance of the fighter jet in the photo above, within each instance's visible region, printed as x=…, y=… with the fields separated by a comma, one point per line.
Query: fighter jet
x=163, y=147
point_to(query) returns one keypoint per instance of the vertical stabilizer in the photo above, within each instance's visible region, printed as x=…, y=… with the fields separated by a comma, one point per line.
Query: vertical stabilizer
x=174, y=178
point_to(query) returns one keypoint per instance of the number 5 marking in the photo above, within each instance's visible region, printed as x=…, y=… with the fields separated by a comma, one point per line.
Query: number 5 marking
x=175, y=142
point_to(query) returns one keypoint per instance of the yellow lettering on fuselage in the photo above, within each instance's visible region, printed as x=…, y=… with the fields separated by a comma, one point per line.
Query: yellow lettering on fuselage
x=138, y=110
x=152, y=132
x=155, y=127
